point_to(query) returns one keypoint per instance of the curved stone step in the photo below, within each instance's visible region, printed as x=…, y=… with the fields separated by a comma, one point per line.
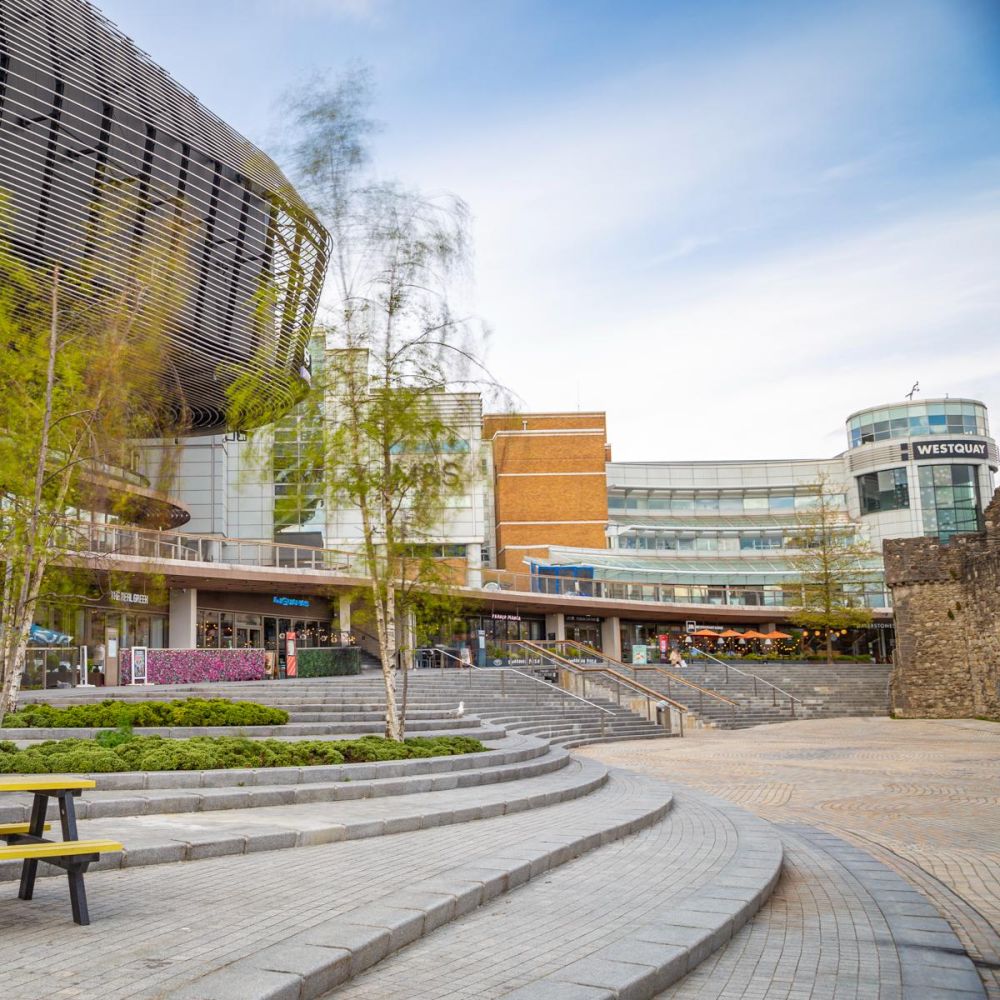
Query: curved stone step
x=157, y=801
x=624, y=921
x=838, y=919
x=171, y=837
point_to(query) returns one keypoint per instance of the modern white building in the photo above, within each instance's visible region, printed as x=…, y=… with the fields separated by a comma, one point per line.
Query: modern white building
x=725, y=533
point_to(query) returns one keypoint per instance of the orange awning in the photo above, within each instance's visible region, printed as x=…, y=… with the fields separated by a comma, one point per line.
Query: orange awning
x=731, y=634
x=753, y=634
x=707, y=632
x=776, y=635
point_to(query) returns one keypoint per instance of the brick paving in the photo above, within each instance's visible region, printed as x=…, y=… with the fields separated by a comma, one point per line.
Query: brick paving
x=155, y=929
x=571, y=913
x=922, y=796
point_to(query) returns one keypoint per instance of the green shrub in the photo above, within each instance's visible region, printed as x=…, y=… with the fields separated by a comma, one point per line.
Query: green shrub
x=124, y=715
x=120, y=751
x=329, y=661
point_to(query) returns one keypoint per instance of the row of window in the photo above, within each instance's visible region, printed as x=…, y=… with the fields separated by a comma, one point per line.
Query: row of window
x=916, y=421
x=672, y=541
x=719, y=504
x=869, y=594
x=949, y=496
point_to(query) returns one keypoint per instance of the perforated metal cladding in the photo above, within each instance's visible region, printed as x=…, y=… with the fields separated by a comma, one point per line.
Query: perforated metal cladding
x=86, y=116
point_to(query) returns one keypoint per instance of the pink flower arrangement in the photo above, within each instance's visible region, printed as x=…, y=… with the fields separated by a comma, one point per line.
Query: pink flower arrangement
x=193, y=666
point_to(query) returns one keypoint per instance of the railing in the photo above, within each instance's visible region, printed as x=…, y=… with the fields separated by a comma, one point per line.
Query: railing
x=775, y=690
x=654, y=700
x=540, y=684
x=591, y=654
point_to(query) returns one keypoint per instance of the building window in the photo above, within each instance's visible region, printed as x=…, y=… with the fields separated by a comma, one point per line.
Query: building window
x=882, y=491
x=949, y=498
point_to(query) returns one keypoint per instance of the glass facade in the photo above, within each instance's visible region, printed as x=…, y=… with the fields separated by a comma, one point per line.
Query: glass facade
x=918, y=420
x=884, y=491
x=950, y=501
x=674, y=540
x=721, y=502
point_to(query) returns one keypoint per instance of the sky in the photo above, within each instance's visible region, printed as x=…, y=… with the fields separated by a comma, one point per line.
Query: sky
x=729, y=225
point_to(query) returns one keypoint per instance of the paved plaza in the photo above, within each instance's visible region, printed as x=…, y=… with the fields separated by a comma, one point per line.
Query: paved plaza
x=848, y=859
x=921, y=796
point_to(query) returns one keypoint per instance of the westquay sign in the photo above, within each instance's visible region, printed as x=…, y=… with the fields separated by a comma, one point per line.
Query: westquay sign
x=948, y=449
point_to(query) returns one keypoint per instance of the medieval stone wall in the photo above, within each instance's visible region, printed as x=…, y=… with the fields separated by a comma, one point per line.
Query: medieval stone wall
x=946, y=598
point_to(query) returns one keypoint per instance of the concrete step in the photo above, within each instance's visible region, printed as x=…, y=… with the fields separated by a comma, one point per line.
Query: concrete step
x=152, y=793
x=173, y=837
x=623, y=921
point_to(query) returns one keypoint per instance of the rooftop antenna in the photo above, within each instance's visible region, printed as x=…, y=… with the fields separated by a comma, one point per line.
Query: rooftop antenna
x=916, y=388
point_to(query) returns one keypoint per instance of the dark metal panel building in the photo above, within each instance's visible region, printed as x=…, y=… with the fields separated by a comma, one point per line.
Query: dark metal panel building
x=89, y=124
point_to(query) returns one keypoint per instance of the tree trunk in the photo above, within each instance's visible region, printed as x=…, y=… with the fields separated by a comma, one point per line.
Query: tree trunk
x=829, y=646
x=385, y=625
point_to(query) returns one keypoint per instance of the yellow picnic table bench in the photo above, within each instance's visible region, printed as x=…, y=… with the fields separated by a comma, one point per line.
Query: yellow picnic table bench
x=25, y=842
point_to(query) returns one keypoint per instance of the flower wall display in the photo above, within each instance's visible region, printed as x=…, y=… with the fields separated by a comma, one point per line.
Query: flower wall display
x=194, y=666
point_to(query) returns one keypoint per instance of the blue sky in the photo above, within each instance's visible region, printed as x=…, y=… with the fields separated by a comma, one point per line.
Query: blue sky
x=727, y=224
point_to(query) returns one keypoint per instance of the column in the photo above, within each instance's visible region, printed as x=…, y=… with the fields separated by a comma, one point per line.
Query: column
x=555, y=626
x=474, y=565
x=183, y=618
x=344, y=617
x=611, y=636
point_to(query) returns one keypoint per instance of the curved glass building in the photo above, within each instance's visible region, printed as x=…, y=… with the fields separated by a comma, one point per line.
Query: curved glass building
x=102, y=153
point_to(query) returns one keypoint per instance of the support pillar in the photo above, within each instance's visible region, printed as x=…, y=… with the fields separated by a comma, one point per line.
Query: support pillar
x=611, y=636
x=474, y=565
x=555, y=626
x=184, y=618
x=344, y=618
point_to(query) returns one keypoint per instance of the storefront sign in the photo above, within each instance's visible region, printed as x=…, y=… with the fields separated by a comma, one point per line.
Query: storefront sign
x=948, y=449
x=639, y=655
x=498, y=617
x=291, y=602
x=125, y=597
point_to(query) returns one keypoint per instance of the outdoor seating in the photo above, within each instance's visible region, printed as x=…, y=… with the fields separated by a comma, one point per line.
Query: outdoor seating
x=25, y=842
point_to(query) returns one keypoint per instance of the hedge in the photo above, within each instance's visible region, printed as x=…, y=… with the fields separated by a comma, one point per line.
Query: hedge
x=190, y=712
x=122, y=751
x=329, y=661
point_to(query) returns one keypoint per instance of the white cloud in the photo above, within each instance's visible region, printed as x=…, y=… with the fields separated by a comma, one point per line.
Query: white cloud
x=640, y=249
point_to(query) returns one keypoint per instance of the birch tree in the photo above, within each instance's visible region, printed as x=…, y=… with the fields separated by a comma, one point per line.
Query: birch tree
x=392, y=446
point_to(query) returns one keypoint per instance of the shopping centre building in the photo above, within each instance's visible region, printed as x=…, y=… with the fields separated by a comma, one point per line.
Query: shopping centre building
x=551, y=538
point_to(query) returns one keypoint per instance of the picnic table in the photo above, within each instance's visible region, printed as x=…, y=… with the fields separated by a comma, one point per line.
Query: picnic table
x=26, y=843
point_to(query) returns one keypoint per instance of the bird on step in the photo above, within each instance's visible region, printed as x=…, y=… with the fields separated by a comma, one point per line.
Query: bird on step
x=460, y=711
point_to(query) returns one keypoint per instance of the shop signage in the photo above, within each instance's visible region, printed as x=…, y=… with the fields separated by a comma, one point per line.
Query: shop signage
x=948, y=449
x=124, y=597
x=498, y=617
x=291, y=602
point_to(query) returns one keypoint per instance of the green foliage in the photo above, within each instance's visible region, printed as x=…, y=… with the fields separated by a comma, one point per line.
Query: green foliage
x=157, y=753
x=124, y=715
x=335, y=661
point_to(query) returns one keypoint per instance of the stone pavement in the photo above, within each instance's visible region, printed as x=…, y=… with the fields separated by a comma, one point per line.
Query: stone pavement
x=157, y=929
x=921, y=796
x=577, y=911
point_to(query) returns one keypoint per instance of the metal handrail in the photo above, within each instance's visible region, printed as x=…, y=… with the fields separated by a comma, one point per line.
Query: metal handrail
x=562, y=691
x=650, y=694
x=775, y=690
x=635, y=667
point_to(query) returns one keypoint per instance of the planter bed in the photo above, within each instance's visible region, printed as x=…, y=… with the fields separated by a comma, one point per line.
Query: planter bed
x=119, y=751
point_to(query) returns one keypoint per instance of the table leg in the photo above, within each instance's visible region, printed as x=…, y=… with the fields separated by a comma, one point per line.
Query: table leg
x=67, y=815
x=36, y=827
x=77, y=892
x=78, y=896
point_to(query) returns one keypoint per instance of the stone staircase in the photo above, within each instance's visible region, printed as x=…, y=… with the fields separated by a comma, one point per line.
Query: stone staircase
x=523, y=872
x=342, y=706
x=821, y=691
